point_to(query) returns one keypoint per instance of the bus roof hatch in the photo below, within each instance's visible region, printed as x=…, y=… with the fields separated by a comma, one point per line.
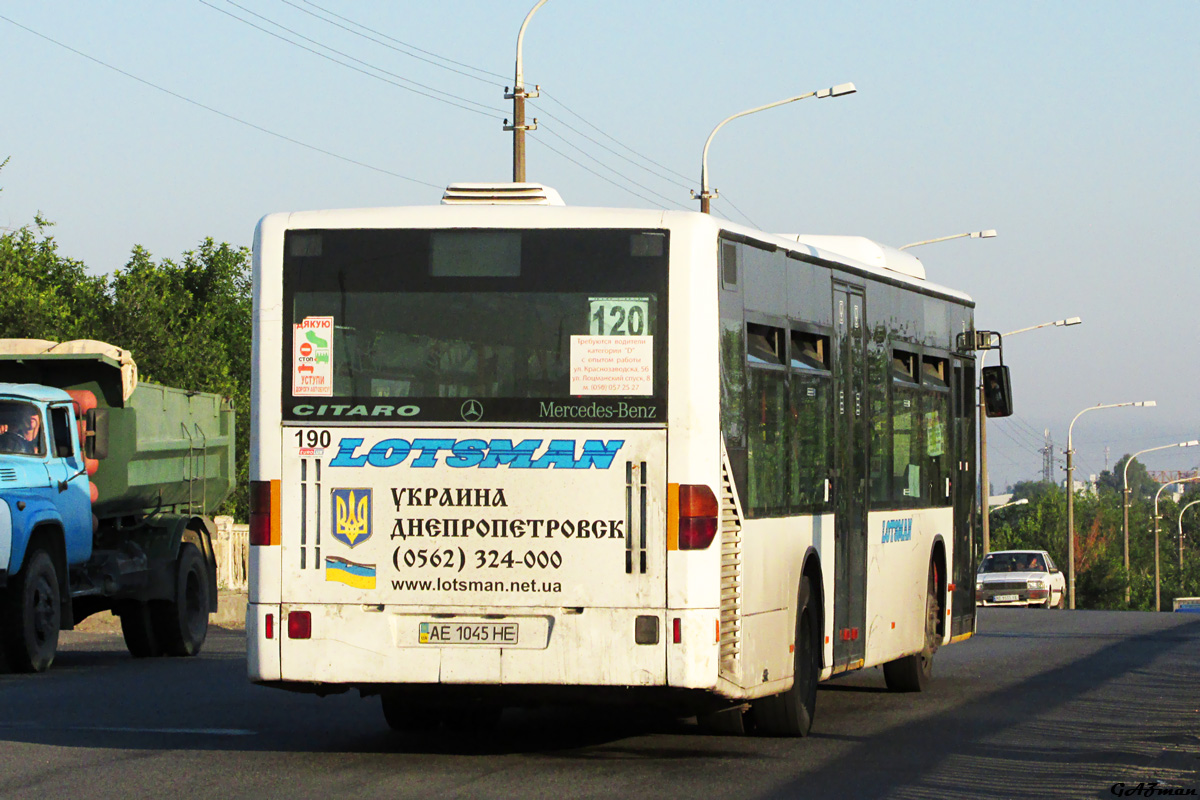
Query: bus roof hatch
x=523, y=194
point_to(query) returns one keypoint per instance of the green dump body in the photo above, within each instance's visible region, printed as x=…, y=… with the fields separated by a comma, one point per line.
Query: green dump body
x=168, y=449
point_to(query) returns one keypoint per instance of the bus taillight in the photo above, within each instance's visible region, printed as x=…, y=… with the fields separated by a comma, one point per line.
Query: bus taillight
x=299, y=624
x=697, y=516
x=264, y=512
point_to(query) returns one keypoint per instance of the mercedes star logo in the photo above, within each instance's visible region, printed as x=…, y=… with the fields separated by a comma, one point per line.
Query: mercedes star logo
x=472, y=411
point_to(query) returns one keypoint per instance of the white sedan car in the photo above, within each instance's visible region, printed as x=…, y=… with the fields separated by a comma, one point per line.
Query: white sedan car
x=1020, y=578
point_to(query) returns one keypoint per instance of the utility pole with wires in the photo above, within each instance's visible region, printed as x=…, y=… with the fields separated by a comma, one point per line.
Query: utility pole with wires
x=518, y=95
x=1048, y=458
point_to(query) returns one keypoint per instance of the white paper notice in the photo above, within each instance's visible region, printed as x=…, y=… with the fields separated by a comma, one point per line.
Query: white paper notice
x=612, y=365
x=312, y=357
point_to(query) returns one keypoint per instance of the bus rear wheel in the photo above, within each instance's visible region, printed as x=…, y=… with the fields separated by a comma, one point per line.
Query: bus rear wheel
x=791, y=713
x=913, y=673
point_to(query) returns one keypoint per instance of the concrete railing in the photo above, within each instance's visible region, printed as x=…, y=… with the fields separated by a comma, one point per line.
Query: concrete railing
x=232, y=546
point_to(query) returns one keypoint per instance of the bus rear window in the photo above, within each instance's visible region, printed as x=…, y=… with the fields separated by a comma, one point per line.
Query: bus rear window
x=484, y=326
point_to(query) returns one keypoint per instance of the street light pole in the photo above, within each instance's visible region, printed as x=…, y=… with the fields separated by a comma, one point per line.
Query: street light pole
x=983, y=462
x=1125, y=510
x=1157, y=596
x=1185, y=508
x=1071, y=491
x=706, y=194
x=518, y=96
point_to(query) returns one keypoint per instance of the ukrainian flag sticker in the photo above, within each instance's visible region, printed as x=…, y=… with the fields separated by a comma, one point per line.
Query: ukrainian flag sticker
x=340, y=570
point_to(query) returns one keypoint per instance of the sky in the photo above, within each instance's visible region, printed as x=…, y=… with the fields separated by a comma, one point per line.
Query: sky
x=1069, y=127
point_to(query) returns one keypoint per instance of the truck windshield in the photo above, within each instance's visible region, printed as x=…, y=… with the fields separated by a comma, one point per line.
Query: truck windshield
x=487, y=326
x=20, y=429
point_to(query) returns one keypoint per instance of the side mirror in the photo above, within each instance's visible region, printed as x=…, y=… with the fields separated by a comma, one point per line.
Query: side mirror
x=96, y=444
x=997, y=392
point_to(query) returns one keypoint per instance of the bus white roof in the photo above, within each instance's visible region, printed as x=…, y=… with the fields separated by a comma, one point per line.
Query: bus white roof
x=526, y=210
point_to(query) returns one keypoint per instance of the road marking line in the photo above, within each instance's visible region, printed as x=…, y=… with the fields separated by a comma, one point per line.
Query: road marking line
x=123, y=729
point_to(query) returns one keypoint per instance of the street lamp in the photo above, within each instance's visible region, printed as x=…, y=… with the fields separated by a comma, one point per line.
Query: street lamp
x=1185, y=508
x=1020, y=502
x=1071, y=491
x=518, y=96
x=1125, y=510
x=988, y=234
x=706, y=195
x=1157, y=603
x=983, y=465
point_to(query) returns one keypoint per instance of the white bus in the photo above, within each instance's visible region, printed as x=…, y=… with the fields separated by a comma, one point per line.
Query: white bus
x=508, y=452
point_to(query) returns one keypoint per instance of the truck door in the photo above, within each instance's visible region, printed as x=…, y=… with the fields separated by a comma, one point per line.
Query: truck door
x=65, y=465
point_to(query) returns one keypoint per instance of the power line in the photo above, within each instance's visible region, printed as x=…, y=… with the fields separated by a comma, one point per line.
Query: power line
x=548, y=96
x=1029, y=429
x=431, y=92
x=554, y=133
x=744, y=215
x=542, y=143
x=386, y=72
x=218, y=112
x=1027, y=438
x=397, y=41
x=1024, y=446
x=570, y=127
x=543, y=111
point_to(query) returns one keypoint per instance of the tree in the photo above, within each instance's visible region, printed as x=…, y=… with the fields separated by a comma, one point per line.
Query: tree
x=187, y=324
x=1141, y=485
x=45, y=295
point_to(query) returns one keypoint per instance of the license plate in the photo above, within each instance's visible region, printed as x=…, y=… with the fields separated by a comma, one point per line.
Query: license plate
x=493, y=633
x=1006, y=598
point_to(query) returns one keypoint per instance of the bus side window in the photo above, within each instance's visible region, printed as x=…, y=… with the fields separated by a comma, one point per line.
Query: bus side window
x=767, y=427
x=809, y=436
x=907, y=430
x=879, y=379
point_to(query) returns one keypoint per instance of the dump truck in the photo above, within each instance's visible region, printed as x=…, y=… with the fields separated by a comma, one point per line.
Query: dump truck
x=106, y=487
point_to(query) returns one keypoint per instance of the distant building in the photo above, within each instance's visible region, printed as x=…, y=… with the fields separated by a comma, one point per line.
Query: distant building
x=1086, y=487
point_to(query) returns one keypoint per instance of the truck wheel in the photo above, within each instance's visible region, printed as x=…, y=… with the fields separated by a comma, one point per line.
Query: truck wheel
x=791, y=713
x=182, y=624
x=137, y=627
x=33, y=616
x=912, y=673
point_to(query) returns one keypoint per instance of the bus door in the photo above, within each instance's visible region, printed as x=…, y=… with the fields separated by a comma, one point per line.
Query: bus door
x=850, y=465
x=963, y=569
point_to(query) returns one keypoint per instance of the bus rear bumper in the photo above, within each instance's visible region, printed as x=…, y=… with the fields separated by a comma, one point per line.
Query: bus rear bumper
x=360, y=646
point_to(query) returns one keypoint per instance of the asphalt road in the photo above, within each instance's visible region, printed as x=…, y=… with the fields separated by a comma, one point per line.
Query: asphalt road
x=1038, y=704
